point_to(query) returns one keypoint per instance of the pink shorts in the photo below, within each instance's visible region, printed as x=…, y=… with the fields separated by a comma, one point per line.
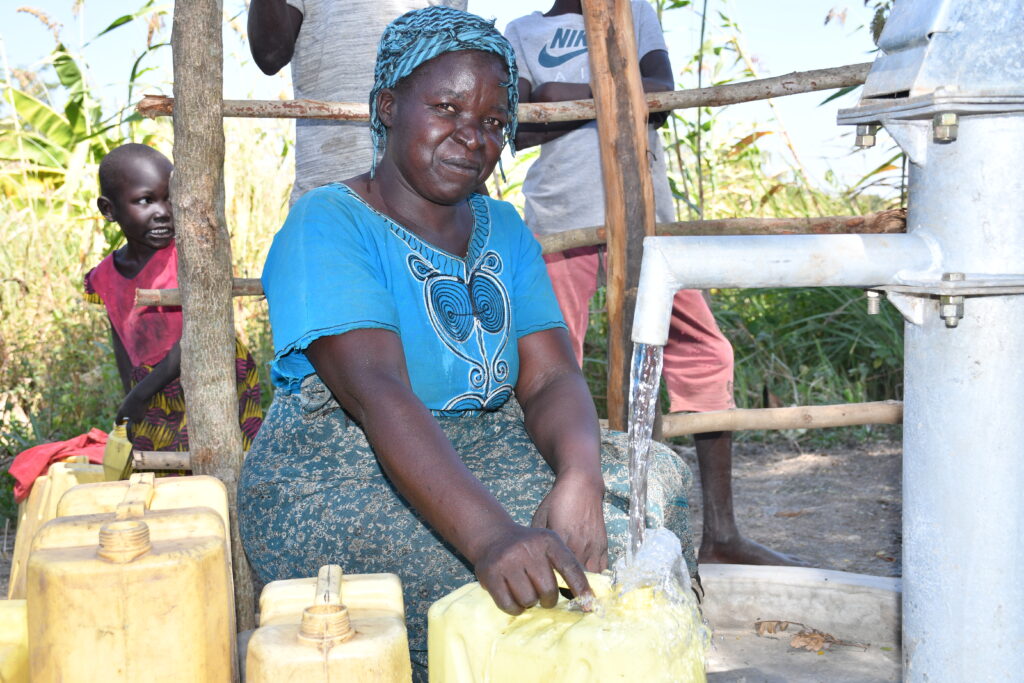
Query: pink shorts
x=698, y=358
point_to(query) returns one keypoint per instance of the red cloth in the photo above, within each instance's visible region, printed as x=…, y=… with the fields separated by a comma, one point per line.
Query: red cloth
x=147, y=332
x=33, y=463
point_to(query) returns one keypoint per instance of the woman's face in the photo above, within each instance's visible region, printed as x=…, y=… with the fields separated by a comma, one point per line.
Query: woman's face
x=446, y=122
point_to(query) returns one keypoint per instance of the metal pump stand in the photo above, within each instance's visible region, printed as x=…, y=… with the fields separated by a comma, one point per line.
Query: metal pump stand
x=949, y=88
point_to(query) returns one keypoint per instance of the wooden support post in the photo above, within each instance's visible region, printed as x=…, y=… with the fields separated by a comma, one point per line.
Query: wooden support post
x=204, y=266
x=628, y=191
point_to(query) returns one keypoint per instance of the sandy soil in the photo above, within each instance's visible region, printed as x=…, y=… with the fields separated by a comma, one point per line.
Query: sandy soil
x=836, y=508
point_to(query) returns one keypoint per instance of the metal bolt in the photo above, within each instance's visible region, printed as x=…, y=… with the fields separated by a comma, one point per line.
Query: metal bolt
x=951, y=308
x=874, y=302
x=866, y=135
x=944, y=126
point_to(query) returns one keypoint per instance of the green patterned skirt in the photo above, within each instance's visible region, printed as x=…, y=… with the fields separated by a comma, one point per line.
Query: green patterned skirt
x=312, y=493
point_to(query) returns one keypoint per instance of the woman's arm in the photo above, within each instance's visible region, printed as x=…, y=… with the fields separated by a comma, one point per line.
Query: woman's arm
x=532, y=134
x=166, y=371
x=655, y=70
x=562, y=422
x=124, y=363
x=366, y=372
x=273, y=27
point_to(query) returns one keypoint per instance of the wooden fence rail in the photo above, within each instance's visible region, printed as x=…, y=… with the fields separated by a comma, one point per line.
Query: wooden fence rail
x=803, y=417
x=892, y=221
x=681, y=424
x=550, y=112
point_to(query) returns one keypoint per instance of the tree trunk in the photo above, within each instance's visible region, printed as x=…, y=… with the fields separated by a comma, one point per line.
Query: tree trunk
x=628, y=191
x=204, y=268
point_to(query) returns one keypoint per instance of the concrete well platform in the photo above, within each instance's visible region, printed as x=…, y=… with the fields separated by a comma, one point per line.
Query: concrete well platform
x=852, y=607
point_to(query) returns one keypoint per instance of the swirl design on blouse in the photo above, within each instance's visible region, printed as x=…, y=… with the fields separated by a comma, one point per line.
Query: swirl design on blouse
x=465, y=313
x=451, y=310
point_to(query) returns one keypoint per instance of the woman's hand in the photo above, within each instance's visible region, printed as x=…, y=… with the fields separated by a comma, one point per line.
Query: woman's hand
x=573, y=509
x=515, y=567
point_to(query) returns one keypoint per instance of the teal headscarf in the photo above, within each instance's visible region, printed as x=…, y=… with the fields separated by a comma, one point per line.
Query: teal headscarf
x=419, y=36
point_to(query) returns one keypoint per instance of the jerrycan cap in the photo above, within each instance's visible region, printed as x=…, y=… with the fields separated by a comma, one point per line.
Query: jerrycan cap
x=326, y=624
x=122, y=541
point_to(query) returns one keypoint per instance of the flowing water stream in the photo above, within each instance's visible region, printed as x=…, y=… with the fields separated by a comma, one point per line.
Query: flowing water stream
x=644, y=381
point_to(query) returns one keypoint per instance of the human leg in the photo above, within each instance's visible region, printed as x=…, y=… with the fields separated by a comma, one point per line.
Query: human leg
x=573, y=274
x=721, y=540
x=699, y=374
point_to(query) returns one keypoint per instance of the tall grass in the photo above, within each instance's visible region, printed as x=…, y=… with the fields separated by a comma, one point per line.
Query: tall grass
x=57, y=373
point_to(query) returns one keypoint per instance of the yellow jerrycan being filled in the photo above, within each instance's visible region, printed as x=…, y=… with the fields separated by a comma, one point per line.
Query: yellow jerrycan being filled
x=330, y=628
x=634, y=636
x=40, y=507
x=135, y=594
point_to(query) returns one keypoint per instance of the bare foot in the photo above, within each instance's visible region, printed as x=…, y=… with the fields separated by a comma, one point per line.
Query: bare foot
x=741, y=550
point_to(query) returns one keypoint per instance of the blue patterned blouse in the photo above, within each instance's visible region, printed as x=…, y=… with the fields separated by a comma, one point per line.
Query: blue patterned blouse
x=339, y=265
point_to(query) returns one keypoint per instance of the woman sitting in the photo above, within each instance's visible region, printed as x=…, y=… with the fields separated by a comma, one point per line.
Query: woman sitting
x=430, y=419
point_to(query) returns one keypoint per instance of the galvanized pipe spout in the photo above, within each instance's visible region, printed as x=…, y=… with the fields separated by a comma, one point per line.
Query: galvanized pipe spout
x=674, y=263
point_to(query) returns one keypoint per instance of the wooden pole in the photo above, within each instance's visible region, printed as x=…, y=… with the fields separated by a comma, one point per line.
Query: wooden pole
x=204, y=266
x=803, y=417
x=889, y=221
x=681, y=424
x=551, y=112
x=240, y=286
x=628, y=190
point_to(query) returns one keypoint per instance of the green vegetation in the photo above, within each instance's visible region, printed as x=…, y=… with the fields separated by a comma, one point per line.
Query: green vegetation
x=57, y=373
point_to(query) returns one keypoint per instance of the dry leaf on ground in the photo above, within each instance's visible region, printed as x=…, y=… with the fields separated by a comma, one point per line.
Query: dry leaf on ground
x=810, y=639
x=771, y=627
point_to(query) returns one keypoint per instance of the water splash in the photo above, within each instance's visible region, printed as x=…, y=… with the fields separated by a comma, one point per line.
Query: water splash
x=644, y=382
x=657, y=564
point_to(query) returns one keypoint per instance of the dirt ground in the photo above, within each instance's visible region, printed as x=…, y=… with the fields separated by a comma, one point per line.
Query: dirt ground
x=835, y=508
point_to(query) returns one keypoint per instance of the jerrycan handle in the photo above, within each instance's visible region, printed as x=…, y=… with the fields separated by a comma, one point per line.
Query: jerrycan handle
x=138, y=497
x=328, y=585
x=326, y=621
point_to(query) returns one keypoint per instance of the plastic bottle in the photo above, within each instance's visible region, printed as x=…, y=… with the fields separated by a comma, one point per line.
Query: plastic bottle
x=362, y=639
x=117, y=456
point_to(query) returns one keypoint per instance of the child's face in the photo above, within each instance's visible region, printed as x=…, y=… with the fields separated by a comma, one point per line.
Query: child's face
x=141, y=203
x=447, y=122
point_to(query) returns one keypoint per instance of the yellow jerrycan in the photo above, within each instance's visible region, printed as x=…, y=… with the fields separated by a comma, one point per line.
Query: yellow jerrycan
x=634, y=636
x=40, y=507
x=169, y=493
x=13, y=642
x=131, y=595
x=330, y=628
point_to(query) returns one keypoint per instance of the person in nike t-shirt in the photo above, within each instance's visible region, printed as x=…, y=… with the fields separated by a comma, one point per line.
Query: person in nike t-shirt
x=564, y=191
